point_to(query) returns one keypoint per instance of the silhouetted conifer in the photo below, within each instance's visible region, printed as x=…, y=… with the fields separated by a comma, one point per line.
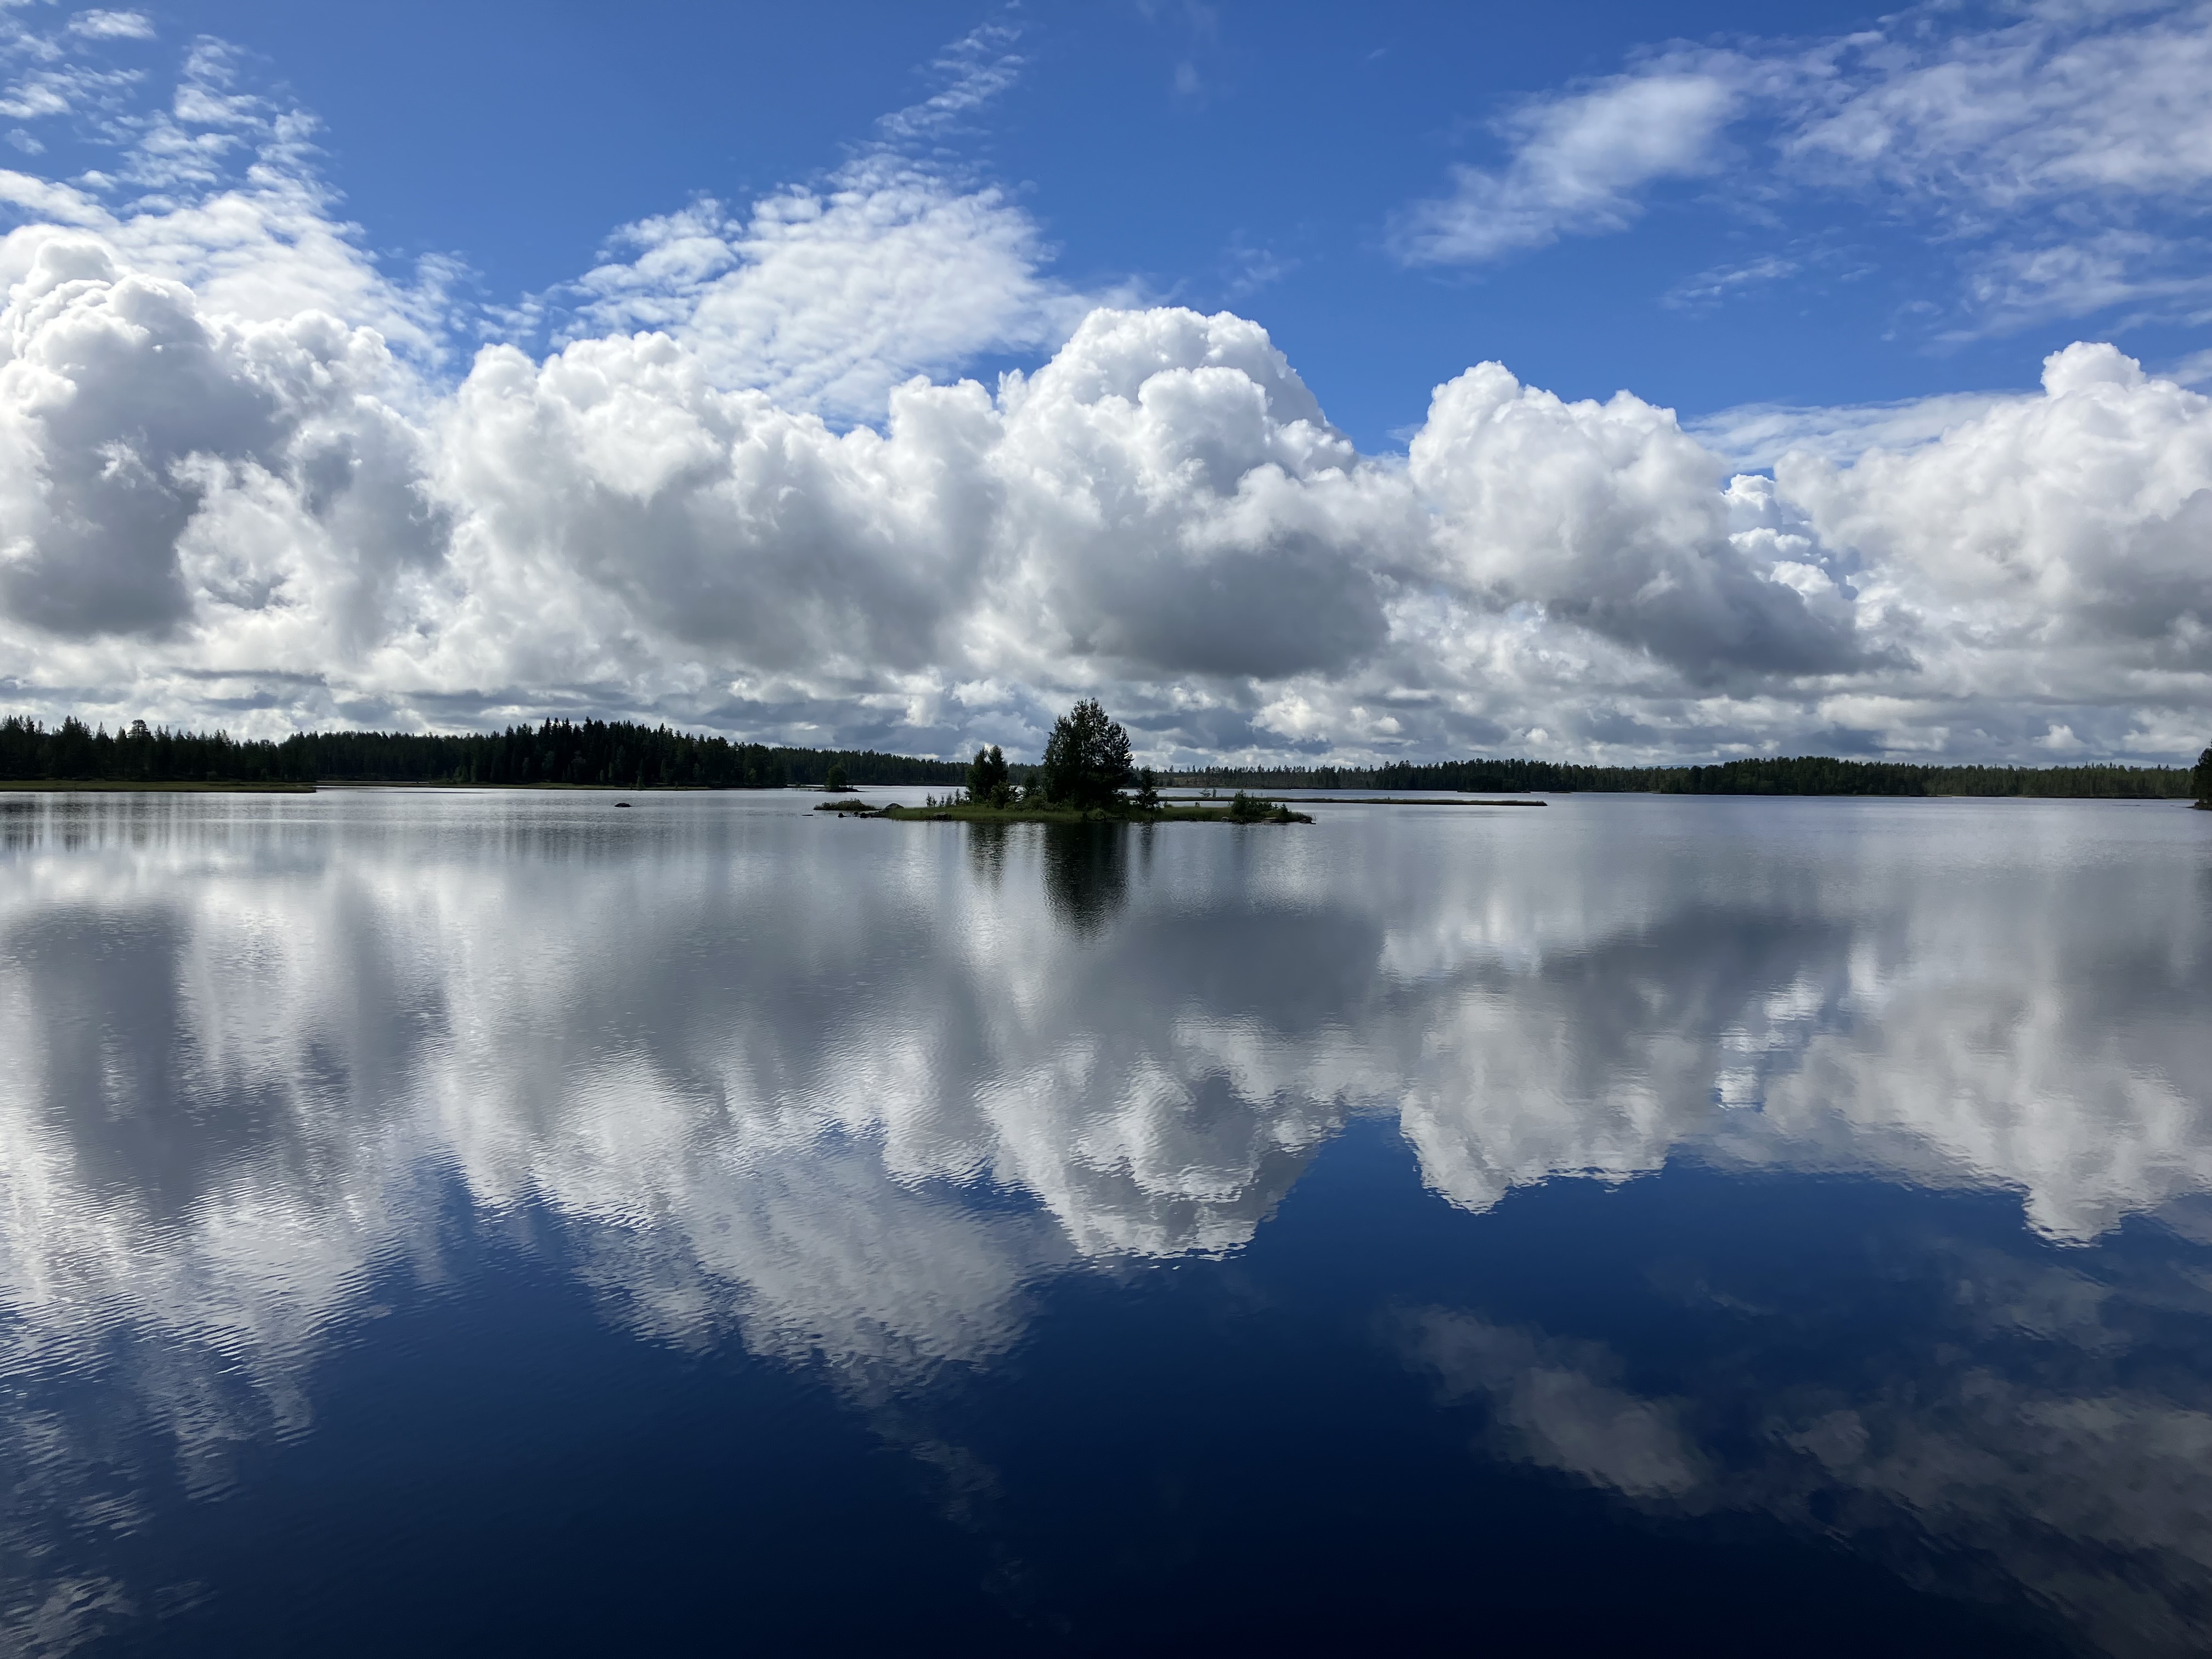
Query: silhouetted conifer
x=1086, y=758
x=988, y=778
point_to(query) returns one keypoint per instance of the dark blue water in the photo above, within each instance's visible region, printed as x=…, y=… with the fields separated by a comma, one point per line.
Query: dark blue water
x=467, y=1223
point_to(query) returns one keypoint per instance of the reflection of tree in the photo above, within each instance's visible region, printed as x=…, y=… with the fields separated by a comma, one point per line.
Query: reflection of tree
x=987, y=852
x=1086, y=872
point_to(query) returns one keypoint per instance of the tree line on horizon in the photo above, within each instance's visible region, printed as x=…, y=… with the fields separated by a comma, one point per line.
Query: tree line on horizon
x=623, y=754
x=1802, y=774
x=619, y=754
x=74, y=752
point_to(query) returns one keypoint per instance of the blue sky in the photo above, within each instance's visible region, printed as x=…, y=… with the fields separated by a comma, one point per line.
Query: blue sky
x=1251, y=157
x=1307, y=380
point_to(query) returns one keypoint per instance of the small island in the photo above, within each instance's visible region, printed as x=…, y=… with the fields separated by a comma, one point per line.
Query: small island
x=1084, y=777
x=1240, y=808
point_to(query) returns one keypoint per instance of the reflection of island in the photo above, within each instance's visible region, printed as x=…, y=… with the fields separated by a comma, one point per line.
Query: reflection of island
x=1086, y=873
x=756, y=1068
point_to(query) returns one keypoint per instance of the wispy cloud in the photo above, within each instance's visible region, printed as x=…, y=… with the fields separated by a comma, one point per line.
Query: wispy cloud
x=2064, y=150
x=1756, y=435
x=2010, y=288
x=2057, y=101
x=1578, y=163
x=973, y=71
x=113, y=25
x=1722, y=281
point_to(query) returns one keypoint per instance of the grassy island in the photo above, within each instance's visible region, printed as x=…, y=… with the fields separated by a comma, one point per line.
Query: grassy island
x=1253, y=811
x=1086, y=777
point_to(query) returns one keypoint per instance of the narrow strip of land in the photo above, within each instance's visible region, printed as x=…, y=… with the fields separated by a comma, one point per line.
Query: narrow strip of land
x=1358, y=800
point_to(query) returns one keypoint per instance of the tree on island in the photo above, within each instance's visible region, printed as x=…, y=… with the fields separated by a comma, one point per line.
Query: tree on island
x=2203, y=778
x=835, y=783
x=990, y=780
x=1087, y=759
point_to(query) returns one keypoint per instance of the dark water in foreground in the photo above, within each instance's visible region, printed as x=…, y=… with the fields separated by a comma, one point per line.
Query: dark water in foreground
x=507, y=1223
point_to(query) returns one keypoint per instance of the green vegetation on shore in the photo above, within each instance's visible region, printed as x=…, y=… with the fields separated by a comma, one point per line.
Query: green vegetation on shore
x=74, y=753
x=1807, y=775
x=2201, y=779
x=614, y=754
x=1383, y=801
x=620, y=754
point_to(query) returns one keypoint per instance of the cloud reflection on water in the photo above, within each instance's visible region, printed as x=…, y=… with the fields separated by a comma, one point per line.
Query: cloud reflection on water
x=769, y=1069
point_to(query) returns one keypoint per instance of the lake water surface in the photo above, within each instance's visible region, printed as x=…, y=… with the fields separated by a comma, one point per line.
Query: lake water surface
x=506, y=1222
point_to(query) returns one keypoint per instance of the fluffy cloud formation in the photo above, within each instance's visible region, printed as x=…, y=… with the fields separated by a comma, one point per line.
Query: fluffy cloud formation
x=162, y=461
x=2076, y=526
x=248, y=478
x=828, y=297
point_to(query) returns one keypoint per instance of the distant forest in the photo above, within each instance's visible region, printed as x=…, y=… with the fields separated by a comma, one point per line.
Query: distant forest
x=615, y=753
x=1807, y=775
x=623, y=754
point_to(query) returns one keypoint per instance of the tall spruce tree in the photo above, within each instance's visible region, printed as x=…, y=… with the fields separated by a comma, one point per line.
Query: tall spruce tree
x=1087, y=759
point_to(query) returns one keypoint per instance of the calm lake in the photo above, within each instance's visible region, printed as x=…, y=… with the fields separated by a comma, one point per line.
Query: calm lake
x=508, y=1222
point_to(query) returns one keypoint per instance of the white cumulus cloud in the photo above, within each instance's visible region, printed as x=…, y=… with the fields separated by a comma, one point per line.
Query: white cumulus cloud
x=249, y=477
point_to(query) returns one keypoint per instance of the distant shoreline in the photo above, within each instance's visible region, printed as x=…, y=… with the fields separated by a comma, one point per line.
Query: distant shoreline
x=147, y=786
x=1361, y=800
